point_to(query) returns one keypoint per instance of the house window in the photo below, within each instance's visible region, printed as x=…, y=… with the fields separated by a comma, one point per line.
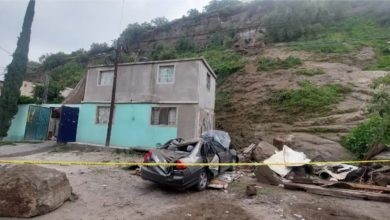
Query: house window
x=102, y=114
x=106, y=78
x=208, y=83
x=166, y=74
x=163, y=116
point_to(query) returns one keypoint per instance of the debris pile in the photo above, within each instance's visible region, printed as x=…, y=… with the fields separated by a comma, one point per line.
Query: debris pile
x=290, y=169
x=222, y=181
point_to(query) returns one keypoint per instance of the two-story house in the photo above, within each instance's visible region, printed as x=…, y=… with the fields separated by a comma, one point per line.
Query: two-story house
x=155, y=101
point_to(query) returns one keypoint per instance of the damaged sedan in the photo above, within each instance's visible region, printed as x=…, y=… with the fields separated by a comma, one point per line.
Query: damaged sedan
x=212, y=147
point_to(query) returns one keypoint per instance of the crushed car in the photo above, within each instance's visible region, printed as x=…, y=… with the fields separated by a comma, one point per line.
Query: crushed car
x=212, y=147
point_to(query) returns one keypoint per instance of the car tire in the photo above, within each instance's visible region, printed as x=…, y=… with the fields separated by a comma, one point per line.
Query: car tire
x=203, y=181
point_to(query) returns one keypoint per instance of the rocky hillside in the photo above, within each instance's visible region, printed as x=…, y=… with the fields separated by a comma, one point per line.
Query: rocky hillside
x=248, y=114
x=301, y=70
x=243, y=23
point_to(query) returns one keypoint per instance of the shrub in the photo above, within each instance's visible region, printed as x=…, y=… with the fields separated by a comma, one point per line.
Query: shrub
x=383, y=80
x=26, y=100
x=223, y=102
x=310, y=72
x=163, y=52
x=308, y=98
x=185, y=45
x=267, y=64
x=223, y=62
x=365, y=134
x=292, y=20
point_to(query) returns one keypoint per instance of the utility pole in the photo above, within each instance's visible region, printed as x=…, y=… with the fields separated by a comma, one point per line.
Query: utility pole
x=46, y=89
x=112, y=105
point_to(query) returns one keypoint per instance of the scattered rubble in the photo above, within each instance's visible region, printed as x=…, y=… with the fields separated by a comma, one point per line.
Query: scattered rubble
x=222, y=181
x=31, y=190
x=370, y=182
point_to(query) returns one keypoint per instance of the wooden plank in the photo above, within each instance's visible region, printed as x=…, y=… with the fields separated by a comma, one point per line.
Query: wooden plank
x=249, y=149
x=343, y=185
x=340, y=193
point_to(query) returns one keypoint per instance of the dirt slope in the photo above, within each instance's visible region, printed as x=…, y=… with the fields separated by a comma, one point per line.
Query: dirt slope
x=250, y=119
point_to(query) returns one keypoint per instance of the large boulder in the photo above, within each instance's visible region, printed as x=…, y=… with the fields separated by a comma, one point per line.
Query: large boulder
x=263, y=151
x=30, y=190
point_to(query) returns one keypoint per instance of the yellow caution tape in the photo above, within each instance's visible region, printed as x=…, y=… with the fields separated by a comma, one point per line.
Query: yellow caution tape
x=187, y=164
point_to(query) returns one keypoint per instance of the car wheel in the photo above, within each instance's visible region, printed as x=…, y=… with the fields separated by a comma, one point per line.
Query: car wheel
x=234, y=160
x=203, y=180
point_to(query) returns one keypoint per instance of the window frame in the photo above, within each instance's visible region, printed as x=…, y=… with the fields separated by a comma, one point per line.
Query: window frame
x=97, y=115
x=98, y=83
x=164, y=125
x=158, y=74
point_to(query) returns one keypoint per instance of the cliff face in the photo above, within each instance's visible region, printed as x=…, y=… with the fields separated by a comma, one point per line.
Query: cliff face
x=242, y=23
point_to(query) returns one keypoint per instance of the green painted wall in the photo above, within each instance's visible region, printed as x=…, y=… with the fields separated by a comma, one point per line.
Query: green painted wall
x=131, y=127
x=18, y=125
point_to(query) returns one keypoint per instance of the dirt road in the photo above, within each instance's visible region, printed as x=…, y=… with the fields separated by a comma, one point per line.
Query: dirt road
x=112, y=193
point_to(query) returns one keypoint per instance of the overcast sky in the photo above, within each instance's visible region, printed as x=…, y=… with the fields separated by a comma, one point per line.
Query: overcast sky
x=67, y=25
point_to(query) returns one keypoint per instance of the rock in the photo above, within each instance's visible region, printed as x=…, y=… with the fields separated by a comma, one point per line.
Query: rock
x=265, y=175
x=280, y=141
x=317, y=148
x=251, y=190
x=263, y=151
x=31, y=190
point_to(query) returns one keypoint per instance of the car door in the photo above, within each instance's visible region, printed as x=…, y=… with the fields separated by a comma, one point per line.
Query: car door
x=223, y=154
x=209, y=156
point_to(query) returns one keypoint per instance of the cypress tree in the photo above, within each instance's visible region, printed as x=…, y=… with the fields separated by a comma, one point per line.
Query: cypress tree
x=15, y=71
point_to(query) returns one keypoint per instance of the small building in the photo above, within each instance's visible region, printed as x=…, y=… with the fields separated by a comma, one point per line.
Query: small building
x=27, y=88
x=155, y=101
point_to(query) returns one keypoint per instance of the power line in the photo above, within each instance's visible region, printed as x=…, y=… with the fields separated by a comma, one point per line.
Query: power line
x=6, y=51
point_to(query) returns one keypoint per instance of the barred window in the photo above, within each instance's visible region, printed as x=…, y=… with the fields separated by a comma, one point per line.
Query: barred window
x=102, y=114
x=163, y=116
x=106, y=78
x=166, y=74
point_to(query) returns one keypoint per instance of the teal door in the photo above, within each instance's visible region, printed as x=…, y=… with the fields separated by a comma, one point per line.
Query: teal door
x=37, y=123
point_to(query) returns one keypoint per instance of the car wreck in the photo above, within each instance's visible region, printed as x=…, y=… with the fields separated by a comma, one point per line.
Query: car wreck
x=211, y=147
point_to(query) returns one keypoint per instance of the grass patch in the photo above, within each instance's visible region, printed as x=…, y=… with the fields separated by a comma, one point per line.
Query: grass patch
x=4, y=143
x=383, y=80
x=323, y=130
x=60, y=148
x=223, y=102
x=349, y=35
x=308, y=98
x=310, y=72
x=13, y=143
x=266, y=63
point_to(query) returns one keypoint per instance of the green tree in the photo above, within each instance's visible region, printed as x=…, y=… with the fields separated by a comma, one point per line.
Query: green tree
x=163, y=52
x=185, y=45
x=215, y=5
x=53, y=95
x=192, y=13
x=15, y=72
x=159, y=21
